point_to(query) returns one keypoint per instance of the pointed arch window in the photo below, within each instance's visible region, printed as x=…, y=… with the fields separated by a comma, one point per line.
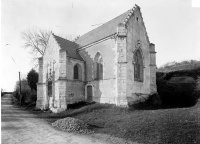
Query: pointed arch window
x=138, y=66
x=98, y=67
x=77, y=72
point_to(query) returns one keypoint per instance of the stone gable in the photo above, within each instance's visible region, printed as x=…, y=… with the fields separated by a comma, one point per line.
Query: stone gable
x=114, y=63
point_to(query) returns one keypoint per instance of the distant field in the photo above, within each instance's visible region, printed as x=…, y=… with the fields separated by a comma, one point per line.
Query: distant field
x=177, y=126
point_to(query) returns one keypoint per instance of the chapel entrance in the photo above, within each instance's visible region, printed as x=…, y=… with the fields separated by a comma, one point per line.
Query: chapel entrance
x=89, y=93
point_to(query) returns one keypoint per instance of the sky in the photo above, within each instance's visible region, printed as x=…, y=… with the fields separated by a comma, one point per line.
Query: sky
x=172, y=25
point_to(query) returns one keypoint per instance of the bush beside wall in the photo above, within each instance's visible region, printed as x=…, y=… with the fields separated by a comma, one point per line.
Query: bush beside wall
x=153, y=101
x=28, y=89
x=179, y=88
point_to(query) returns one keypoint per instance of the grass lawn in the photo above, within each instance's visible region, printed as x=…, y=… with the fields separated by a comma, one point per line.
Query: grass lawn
x=164, y=126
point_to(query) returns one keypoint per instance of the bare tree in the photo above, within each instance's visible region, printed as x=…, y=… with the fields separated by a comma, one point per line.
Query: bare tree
x=36, y=40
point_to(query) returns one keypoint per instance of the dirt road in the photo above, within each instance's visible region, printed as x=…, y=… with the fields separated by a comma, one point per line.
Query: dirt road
x=20, y=127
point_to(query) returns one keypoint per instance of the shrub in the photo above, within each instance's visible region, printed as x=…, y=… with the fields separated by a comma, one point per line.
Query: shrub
x=32, y=79
x=181, y=73
x=153, y=101
x=198, y=84
x=159, y=75
x=197, y=89
x=28, y=96
x=177, y=91
x=15, y=101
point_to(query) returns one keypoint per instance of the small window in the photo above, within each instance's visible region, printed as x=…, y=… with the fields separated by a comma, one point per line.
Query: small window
x=138, y=66
x=137, y=19
x=98, y=67
x=49, y=88
x=76, y=72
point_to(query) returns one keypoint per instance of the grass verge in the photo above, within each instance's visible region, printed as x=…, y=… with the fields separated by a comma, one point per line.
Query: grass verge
x=177, y=126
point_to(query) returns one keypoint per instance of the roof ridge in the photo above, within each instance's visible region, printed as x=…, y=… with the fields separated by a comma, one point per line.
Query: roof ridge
x=69, y=46
x=103, y=24
x=63, y=38
x=106, y=29
x=125, y=21
x=109, y=20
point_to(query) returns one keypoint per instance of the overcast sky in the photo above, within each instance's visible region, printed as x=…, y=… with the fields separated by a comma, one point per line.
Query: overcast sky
x=172, y=25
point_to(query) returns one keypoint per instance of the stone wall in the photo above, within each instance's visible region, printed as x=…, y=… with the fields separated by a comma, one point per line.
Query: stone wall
x=70, y=63
x=75, y=91
x=40, y=90
x=40, y=99
x=75, y=88
x=51, y=70
x=136, y=33
x=70, y=90
x=118, y=85
x=51, y=67
x=57, y=66
x=51, y=59
x=105, y=90
x=153, y=86
x=121, y=65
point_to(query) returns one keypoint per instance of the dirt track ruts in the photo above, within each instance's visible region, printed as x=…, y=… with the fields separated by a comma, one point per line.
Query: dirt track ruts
x=21, y=127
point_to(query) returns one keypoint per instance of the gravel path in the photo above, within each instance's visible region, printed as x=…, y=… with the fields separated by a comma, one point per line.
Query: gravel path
x=20, y=127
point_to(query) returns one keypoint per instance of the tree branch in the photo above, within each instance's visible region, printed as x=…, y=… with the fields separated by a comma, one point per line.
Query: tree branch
x=36, y=40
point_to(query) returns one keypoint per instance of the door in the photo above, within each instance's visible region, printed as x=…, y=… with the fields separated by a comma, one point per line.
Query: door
x=89, y=93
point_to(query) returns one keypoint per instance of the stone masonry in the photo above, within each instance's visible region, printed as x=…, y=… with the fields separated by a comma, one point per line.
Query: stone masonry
x=99, y=66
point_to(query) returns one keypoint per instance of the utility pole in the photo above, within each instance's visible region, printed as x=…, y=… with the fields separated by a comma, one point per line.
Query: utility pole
x=20, y=89
x=20, y=96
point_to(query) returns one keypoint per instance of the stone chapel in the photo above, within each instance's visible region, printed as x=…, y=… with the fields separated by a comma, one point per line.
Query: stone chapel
x=114, y=63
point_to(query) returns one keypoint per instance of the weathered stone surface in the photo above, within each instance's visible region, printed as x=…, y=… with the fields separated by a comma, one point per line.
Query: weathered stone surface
x=104, y=90
x=118, y=84
x=136, y=31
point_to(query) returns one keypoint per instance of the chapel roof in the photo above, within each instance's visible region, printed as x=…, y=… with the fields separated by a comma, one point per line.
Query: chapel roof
x=107, y=29
x=69, y=46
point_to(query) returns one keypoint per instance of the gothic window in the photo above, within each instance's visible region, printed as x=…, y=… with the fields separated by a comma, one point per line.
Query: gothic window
x=138, y=66
x=98, y=67
x=77, y=72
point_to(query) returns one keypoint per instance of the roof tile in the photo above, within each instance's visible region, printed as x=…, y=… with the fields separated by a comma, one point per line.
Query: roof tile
x=102, y=31
x=69, y=46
